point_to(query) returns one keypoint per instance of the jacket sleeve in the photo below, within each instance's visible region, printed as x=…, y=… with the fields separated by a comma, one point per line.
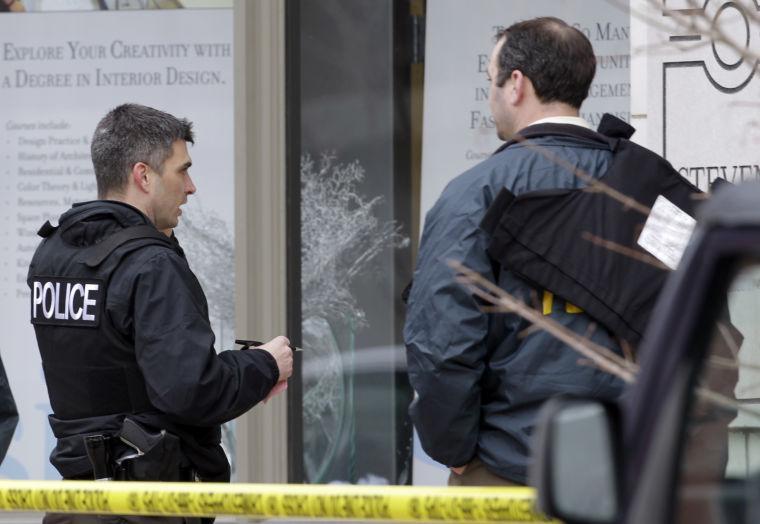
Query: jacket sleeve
x=445, y=335
x=174, y=346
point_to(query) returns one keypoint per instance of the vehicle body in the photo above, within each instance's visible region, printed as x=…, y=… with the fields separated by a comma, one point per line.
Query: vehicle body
x=683, y=444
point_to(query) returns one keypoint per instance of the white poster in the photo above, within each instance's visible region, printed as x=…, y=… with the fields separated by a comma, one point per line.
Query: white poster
x=699, y=94
x=457, y=128
x=698, y=91
x=59, y=74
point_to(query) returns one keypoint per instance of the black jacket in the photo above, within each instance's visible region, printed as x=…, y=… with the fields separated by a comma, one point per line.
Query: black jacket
x=154, y=320
x=543, y=235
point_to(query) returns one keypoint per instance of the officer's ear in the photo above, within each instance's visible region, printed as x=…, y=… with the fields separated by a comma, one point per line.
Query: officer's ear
x=141, y=176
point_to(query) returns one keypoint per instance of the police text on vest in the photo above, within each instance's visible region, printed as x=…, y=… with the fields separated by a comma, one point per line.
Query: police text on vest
x=66, y=301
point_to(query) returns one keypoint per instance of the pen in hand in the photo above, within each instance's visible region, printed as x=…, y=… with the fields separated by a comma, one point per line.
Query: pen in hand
x=281, y=385
x=248, y=344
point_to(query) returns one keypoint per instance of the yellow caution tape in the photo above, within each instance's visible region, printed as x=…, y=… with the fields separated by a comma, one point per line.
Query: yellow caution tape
x=401, y=503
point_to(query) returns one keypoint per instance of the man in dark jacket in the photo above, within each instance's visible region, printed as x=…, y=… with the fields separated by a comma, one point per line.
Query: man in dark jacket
x=137, y=389
x=480, y=378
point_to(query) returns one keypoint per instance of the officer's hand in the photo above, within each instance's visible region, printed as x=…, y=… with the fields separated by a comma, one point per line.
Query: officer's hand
x=279, y=348
x=277, y=389
x=459, y=470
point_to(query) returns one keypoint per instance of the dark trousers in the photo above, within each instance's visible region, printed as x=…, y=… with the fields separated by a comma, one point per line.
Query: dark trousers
x=476, y=474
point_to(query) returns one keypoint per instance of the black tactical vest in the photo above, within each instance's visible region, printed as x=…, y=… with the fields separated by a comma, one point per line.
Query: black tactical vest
x=90, y=368
x=543, y=235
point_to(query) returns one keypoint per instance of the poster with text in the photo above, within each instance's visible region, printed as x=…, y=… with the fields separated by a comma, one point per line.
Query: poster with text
x=32, y=6
x=458, y=131
x=699, y=91
x=59, y=74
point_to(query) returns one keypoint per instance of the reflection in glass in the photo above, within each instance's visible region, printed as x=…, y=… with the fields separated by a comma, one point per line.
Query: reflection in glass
x=583, y=466
x=353, y=147
x=721, y=459
x=340, y=238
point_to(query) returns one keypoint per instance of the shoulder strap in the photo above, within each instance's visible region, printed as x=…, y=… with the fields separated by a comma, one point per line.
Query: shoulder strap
x=102, y=250
x=495, y=211
x=47, y=229
x=615, y=127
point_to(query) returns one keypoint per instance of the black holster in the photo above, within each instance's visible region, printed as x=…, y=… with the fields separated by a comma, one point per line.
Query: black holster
x=137, y=453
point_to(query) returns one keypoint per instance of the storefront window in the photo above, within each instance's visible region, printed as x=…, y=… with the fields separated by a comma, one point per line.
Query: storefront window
x=353, y=177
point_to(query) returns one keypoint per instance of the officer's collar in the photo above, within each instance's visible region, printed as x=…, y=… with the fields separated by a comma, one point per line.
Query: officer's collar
x=87, y=223
x=124, y=213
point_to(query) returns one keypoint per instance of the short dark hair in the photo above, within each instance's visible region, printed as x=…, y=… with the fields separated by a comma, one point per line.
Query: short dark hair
x=557, y=58
x=133, y=133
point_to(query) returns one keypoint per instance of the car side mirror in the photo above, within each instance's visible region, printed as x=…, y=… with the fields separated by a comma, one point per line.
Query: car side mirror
x=576, y=470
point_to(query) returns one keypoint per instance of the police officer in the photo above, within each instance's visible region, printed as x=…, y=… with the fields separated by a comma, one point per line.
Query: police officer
x=137, y=390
